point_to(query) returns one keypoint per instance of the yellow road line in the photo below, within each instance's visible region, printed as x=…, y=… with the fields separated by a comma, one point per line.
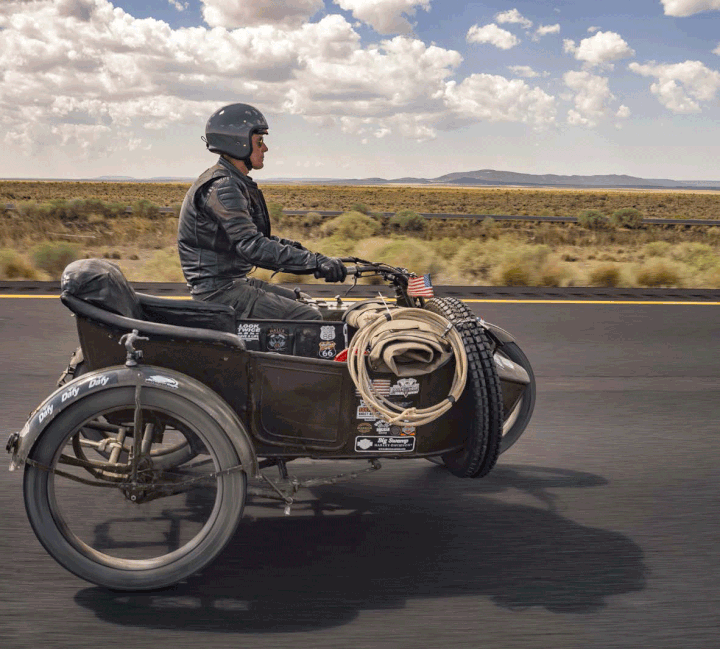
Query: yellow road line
x=469, y=300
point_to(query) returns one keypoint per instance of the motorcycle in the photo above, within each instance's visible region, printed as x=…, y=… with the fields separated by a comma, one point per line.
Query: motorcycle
x=137, y=468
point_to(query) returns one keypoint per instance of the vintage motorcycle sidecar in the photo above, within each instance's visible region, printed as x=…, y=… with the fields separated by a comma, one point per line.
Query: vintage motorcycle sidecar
x=179, y=404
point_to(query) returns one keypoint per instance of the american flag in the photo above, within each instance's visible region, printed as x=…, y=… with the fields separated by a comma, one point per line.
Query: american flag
x=420, y=286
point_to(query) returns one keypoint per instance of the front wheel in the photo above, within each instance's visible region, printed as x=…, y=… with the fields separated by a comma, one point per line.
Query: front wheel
x=133, y=526
x=518, y=418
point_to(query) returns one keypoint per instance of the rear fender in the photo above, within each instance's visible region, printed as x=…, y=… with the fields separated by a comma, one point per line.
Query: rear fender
x=144, y=375
x=498, y=334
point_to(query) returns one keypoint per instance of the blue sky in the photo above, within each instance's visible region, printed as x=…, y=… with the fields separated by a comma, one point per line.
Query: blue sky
x=361, y=88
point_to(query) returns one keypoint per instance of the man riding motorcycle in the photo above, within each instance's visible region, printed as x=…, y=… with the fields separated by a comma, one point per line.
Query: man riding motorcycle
x=224, y=228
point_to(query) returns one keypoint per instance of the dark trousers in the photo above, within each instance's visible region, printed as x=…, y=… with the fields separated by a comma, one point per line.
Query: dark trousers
x=255, y=299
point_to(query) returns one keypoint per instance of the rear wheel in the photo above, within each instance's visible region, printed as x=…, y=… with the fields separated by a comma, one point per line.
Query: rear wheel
x=482, y=445
x=142, y=531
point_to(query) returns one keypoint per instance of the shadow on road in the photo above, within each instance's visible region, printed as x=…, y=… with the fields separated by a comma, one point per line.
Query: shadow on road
x=361, y=547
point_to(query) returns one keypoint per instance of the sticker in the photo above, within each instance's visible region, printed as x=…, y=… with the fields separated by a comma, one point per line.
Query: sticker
x=162, y=380
x=277, y=339
x=382, y=427
x=365, y=412
x=327, y=349
x=405, y=387
x=327, y=332
x=380, y=387
x=368, y=444
x=249, y=332
x=365, y=428
x=408, y=430
x=98, y=381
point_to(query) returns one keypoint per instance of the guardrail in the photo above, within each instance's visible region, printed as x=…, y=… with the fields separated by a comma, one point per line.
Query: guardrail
x=473, y=217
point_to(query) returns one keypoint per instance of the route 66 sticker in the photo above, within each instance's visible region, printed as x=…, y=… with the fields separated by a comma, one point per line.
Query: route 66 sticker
x=327, y=349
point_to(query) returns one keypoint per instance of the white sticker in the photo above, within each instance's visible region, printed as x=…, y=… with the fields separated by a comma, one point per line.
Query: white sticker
x=405, y=387
x=365, y=412
x=327, y=332
x=45, y=412
x=70, y=393
x=249, y=332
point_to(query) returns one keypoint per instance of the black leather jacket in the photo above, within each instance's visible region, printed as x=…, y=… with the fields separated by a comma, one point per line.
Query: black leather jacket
x=224, y=231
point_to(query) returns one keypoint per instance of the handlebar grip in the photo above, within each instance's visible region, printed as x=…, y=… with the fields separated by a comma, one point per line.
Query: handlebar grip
x=351, y=270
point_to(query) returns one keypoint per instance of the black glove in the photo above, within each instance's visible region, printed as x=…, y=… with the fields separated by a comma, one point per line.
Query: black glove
x=331, y=268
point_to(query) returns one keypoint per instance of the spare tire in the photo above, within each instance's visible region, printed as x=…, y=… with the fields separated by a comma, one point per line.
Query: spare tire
x=482, y=445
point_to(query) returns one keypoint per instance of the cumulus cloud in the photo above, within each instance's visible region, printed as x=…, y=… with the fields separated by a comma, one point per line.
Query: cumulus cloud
x=180, y=6
x=515, y=17
x=493, y=35
x=717, y=50
x=600, y=49
x=592, y=95
x=523, y=71
x=592, y=29
x=385, y=16
x=689, y=7
x=544, y=30
x=681, y=87
x=247, y=13
x=493, y=98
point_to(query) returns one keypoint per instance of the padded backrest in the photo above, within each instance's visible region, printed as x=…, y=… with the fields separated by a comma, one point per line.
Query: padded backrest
x=102, y=284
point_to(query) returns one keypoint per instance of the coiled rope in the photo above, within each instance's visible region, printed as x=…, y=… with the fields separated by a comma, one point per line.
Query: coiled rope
x=394, y=414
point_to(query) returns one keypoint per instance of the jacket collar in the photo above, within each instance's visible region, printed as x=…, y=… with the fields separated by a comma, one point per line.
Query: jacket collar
x=236, y=173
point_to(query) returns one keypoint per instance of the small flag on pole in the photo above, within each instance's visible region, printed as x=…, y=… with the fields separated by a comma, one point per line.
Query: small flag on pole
x=420, y=286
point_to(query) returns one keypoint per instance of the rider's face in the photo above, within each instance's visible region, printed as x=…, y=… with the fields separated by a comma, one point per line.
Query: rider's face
x=257, y=157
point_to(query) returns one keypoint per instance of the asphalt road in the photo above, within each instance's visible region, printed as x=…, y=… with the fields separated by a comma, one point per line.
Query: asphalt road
x=598, y=529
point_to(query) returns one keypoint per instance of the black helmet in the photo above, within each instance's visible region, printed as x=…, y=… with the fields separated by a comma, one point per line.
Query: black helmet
x=229, y=130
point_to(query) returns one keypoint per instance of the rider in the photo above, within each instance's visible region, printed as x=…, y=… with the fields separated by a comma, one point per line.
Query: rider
x=224, y=227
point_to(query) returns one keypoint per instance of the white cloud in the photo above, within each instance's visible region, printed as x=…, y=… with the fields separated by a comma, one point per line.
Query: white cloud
x=600, y=49
x=592, y=95
x=247, y=13
x=681, y=87
x=523, y=71
x=493, y=98
x=623, y=112
x=592, y=29
x=515, y=17
x=180, y=6
x=689, y=7
x=493, y=35
x=717, y=50
x=544, y=30
x=385, y=16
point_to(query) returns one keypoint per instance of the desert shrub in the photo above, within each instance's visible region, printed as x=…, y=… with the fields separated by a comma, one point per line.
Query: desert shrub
x=593, y=220
x=410, y=254
x=275, y=210
x=408, y=221
x=489, y=227
x=14, y=266
x=351, y=225
x=312, y=220
x=627, y=217
x=552, y=273
x=163, y=266
x=360, y=207
x=335, y=246
x=698, y=255
x=657, y=248
x=658, y=272
x=52, y=257
x=605, y=275
x=447, y=248
x=513, y=272
x=145, y=209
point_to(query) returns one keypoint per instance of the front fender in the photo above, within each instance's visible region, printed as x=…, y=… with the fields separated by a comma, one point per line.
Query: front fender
x=21, y=444
x=500, y=335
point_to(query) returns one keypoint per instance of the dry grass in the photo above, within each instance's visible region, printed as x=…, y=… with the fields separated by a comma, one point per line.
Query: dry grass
x=455, y=251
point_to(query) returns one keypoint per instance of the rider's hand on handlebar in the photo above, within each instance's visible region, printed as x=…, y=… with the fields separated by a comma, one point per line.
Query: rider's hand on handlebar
x=331, y=268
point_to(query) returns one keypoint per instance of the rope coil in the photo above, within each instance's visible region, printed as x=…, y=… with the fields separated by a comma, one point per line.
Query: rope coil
x=394, y=414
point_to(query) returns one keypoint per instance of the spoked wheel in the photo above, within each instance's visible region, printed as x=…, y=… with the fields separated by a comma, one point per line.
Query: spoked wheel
x=130, y=525
x=105, y=431
x=517, y=419
x=482, y=445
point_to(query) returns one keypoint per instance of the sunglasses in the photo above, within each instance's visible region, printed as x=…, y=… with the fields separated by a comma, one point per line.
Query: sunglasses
x=260, y=141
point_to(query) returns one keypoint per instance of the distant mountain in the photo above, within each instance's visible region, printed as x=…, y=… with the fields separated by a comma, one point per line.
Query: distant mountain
x=493, y=177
